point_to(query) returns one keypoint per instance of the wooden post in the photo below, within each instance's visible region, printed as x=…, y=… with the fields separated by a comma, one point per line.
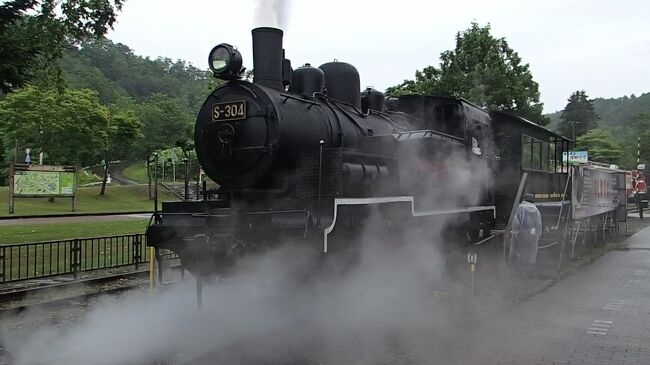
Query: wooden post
x=149, y=177
x=12, y=172
x=155, y=182
x=74, y=190
x=186, y=196
x=2, y=263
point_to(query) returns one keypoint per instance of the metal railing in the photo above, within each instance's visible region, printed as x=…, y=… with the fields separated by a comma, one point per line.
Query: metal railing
x=72, y=256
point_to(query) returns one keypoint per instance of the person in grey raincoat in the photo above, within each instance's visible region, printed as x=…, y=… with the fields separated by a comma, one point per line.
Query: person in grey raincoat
x=526, y=231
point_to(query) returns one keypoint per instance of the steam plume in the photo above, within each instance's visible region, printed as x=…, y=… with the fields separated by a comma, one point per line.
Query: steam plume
x=272, y=13
x=271, y=312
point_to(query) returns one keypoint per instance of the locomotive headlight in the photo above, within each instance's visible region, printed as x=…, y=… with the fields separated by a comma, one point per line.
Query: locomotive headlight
x=225, y=62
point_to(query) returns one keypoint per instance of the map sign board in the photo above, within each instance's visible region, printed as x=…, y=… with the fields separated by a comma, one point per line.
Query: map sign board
x=596, y=191
x=575, y=157
x=46, y=183
x=30, y=181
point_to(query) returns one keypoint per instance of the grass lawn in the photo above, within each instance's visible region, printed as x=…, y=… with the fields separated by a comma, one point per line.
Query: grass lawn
x=119, y=198
x=21, y=233
x=137, y=172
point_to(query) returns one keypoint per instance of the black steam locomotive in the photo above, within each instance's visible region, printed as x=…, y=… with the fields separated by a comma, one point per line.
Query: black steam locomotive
x=302, y=155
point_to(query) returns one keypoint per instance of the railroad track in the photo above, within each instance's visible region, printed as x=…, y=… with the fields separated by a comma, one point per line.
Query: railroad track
x=82, y=291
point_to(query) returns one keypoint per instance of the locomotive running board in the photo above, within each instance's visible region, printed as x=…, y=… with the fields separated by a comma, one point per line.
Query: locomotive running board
x=396, y=199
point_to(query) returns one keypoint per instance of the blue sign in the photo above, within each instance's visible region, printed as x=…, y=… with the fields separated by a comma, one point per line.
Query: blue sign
x=575, y=157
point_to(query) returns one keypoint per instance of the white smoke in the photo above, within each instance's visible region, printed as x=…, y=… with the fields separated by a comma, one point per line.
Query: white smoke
x=272, y=13
x=286, y=306
x=361, y=314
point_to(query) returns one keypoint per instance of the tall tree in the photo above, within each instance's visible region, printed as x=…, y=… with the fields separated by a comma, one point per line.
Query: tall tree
x=601, y=146
x=166, y=122
x=124, y=130
x=69, y=127
x=484, y=70
x=578, y=116
x=634, y=137
x=33, y=34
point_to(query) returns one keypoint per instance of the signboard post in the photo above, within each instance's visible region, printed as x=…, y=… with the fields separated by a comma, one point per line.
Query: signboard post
x=42, y=181
x=11, y=188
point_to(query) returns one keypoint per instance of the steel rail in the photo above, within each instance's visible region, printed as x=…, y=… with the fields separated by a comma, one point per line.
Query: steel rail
x=8, y=296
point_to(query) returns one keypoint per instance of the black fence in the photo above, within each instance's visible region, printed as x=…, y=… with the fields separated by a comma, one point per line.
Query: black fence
x=73, y=256
x=574, y=238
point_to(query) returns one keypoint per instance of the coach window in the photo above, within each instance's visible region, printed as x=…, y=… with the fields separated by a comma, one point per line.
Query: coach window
x=545, y=156
x=479, y=137
x=536, y=154
x=552, y=166
x=526, y=152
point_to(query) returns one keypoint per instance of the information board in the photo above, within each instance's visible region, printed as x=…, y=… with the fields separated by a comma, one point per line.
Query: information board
x=33, y=181
x=596, y=191
x=575, y=157
x=47, y=183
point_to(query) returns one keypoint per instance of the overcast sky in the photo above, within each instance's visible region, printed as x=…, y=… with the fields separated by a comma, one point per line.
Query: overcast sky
x=601, y=46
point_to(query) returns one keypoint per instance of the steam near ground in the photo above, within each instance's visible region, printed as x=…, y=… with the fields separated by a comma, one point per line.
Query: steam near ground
x=279, y=308
x=269, y=312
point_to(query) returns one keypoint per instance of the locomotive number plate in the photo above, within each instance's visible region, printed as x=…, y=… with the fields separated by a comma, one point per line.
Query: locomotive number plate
x=232, y=110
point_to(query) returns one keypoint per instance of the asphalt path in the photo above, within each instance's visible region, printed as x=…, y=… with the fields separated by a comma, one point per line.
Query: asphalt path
x=71, y=219
x=597, y=316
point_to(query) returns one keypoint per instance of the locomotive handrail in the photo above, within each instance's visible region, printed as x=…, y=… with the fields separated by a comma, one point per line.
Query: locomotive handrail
x=238, y=213
x=291, y=211
x=293, y=97
x=356, y=124
x=484, y=240
x=426, y=132
x=335, y=101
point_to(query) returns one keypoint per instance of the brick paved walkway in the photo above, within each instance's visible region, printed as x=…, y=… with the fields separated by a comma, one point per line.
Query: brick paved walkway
x=600, y=315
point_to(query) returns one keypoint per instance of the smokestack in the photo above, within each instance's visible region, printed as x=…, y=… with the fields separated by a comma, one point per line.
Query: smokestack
x=267, y=57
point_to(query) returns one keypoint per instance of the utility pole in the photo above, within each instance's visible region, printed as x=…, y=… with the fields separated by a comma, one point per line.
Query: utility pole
x=638, y=151
x=573, y=127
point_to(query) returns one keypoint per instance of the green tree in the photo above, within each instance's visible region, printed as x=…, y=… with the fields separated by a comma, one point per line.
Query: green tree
x=601, y=146
x=70, y=127
x=634, y=137
x=124, y=131
x=642, y=132
x=80, y=73
x=115, y=71
x=578, y=116
x=33, y=35
x=484, y=70
x=166, y=122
